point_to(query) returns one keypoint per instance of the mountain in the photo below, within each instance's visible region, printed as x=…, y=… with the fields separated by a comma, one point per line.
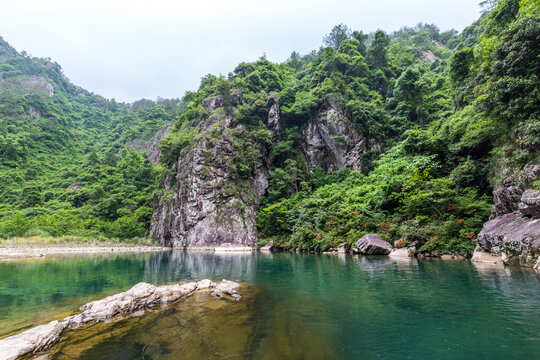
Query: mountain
x=403, y=134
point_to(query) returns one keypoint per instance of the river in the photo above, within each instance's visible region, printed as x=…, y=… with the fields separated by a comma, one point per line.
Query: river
x=306, y=306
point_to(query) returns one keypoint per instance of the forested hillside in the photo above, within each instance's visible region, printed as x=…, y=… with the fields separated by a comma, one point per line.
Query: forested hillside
x=402, y=134
x=66, y=167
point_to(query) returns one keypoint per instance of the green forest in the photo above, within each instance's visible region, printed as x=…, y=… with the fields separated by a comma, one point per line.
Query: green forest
x=453, y=113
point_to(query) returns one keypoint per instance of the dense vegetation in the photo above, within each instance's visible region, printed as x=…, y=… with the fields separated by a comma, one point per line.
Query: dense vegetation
x=452, y=128
x=453, y=113
x=66, y=167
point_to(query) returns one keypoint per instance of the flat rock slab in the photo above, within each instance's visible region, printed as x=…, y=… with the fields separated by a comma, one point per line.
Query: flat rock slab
x=140, y=297
x=486, y=258
x=372, y=244
x=233, y=249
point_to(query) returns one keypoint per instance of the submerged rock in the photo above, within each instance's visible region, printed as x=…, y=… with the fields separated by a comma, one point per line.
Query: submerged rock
x=140, y=297
x=372, y=244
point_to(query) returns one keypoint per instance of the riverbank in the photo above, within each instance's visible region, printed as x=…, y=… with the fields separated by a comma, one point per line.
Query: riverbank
x=13, y=253
x=39, y=247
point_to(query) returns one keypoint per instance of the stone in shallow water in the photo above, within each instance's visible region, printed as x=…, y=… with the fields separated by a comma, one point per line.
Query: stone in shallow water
x=140, y=297
x=40, y=337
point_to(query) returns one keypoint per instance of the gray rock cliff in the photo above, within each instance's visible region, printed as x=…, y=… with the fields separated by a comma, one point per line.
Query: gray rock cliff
x=204, y=205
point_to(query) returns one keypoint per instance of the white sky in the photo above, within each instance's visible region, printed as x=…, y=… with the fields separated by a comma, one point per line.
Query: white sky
x=133, y=49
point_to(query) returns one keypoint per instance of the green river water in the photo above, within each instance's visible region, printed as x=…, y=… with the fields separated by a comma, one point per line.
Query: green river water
x=301, y=306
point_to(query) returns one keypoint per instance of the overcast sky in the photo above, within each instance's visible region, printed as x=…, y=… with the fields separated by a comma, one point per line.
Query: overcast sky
x=135, y=49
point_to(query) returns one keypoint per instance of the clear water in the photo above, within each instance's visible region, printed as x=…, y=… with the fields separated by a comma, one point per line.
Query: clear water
x=304, y=306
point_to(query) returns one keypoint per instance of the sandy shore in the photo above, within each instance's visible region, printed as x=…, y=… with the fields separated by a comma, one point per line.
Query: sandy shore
x=26, y=252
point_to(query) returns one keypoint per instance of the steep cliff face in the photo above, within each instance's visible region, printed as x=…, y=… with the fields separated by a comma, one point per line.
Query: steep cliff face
x=206, y=203
x=331, y=143
x=513, y=231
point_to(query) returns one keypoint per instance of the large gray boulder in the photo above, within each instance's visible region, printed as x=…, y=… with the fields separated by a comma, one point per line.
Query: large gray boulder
x=372, y=244
x=513, y=236
x=530, y=203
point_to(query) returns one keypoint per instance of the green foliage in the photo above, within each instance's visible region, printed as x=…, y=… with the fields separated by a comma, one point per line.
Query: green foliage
x=448, y=110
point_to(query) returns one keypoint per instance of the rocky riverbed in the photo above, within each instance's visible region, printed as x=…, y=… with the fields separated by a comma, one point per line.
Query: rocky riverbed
x=113, y=308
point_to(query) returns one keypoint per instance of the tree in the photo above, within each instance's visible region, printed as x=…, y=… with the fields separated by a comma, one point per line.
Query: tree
x=377, y=54
x=361, y=37
x=337, y=35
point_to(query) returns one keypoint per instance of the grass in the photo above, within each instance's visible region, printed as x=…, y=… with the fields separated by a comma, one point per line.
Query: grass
x=74, y=240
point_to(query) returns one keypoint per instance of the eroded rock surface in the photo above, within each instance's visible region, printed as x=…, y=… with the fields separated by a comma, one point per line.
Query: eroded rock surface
x=513, y=233
x=140, y=297
x=203, y=205
x=38, y=338
x=513, y=236
x=330, y=141
x=372, y=244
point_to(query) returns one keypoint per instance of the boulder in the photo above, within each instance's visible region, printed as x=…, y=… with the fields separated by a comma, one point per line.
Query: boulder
x=514, y=237
x=505, y=200
x=227, y=288
x=372, y=244
x=268, y=247
x=342, y=248
x=530, y=203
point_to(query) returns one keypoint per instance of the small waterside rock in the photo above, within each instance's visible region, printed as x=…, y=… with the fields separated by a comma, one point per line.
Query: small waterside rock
x=232, y=248
x=342, y=248
x=140, y=297
x=408, y=252
x=372, y=244
x=268, y=247
x=480, y=256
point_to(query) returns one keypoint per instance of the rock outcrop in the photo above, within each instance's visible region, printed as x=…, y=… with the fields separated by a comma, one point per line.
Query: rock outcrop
x=151, y=146
x=203, y=204
x=372, y=244
x=39, y=338
x=513, y=233
x=140, y=297
x=330, y=142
